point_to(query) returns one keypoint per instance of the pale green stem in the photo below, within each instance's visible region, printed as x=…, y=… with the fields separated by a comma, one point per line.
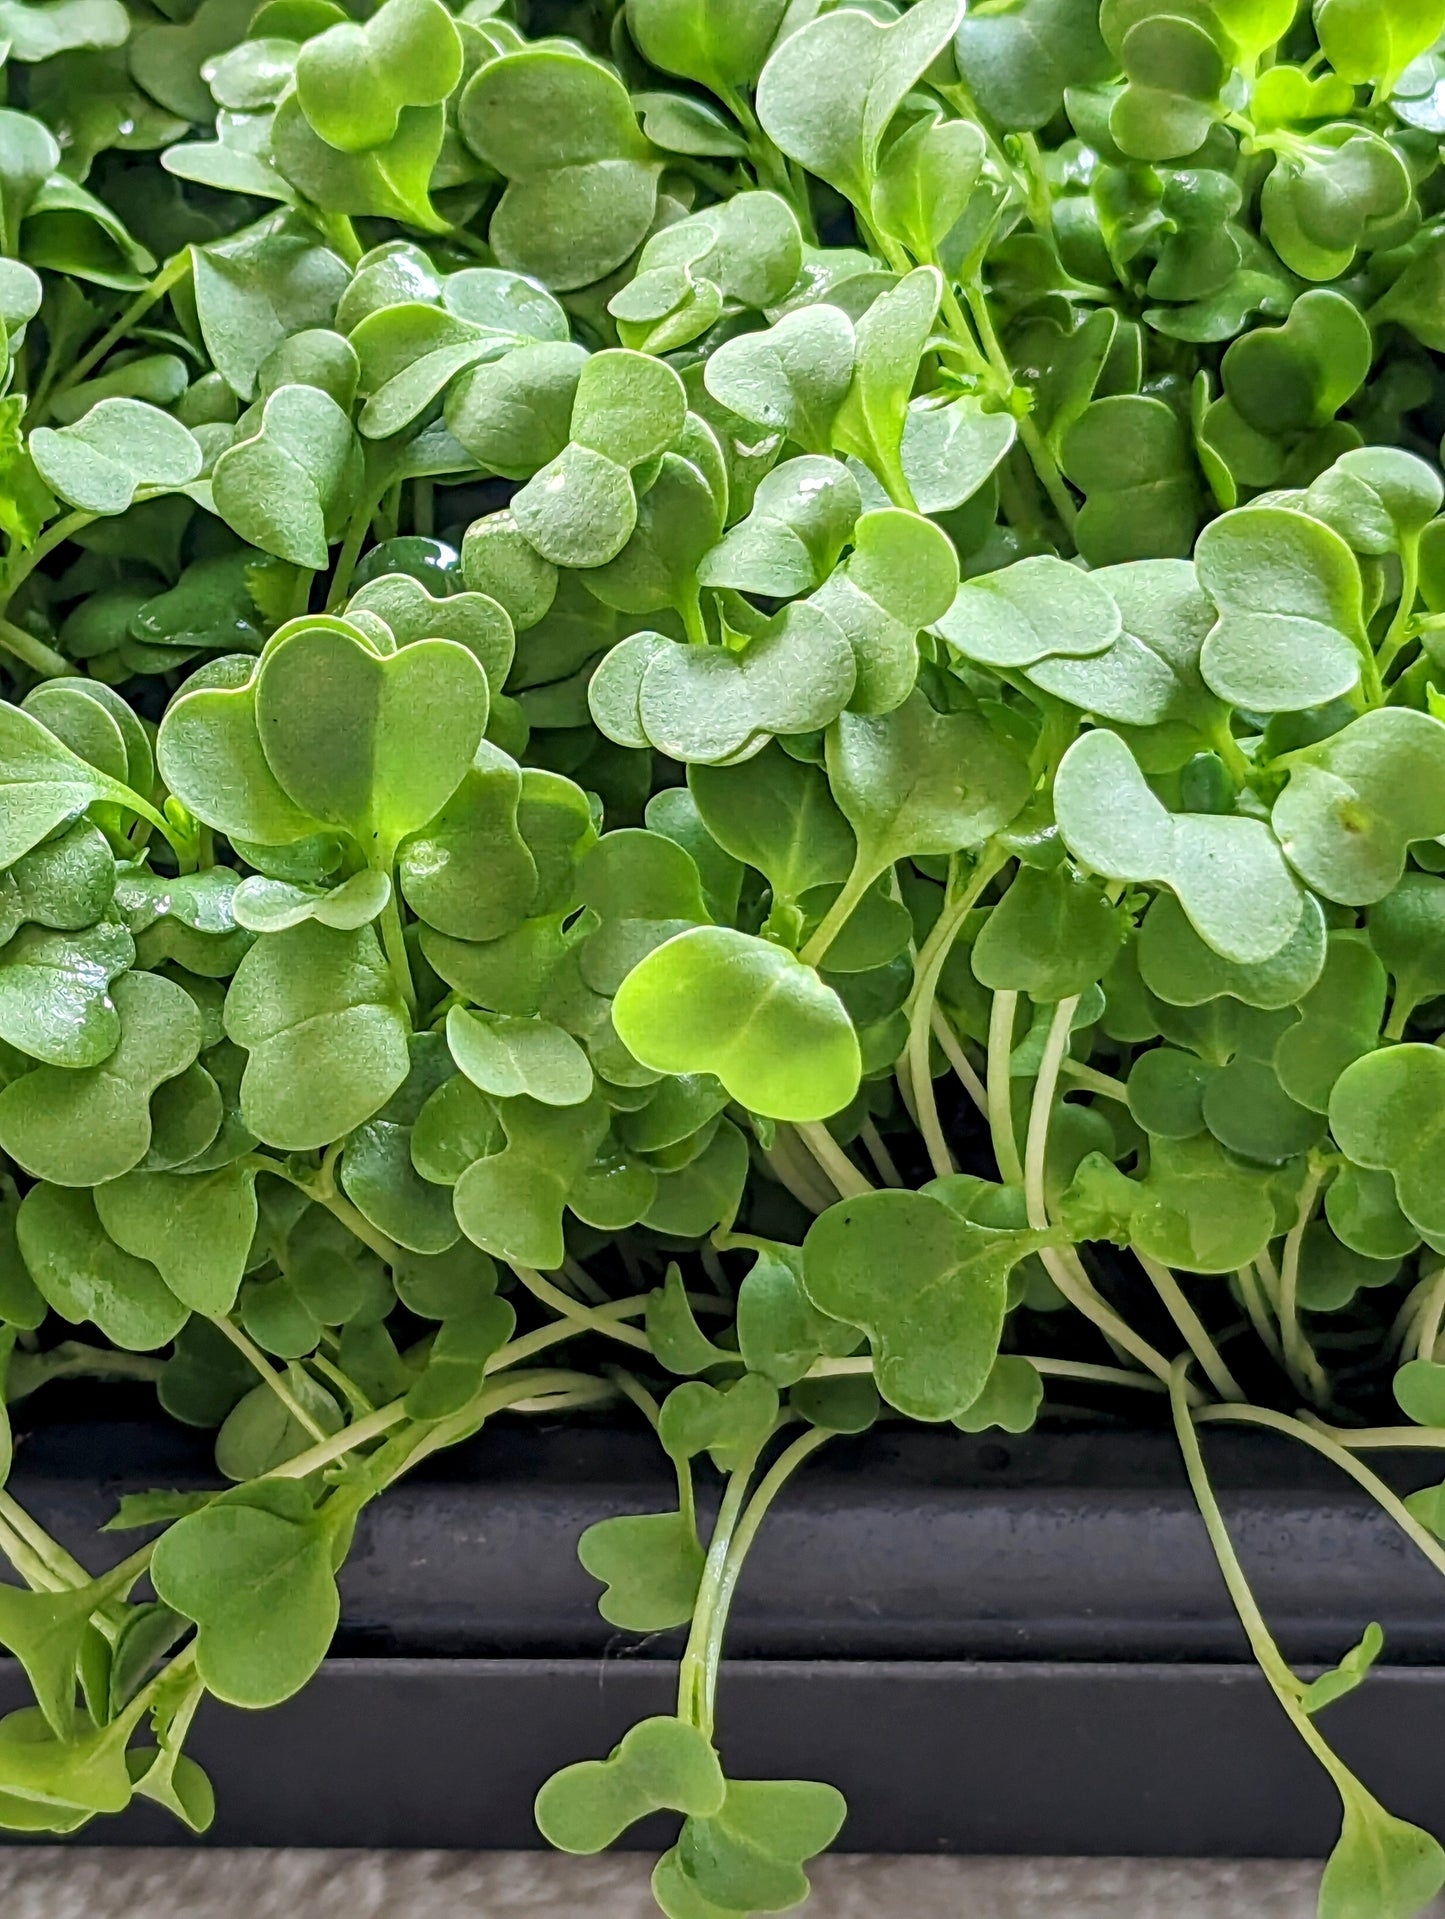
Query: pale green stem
x=840, y=912
x=932, y=958
x=1000, y=1088
x=1381, y=1438
x=1257, y=1307
x=1399, y=629
x=798, y=1172
x=1066, y=1270
x=772, y=1483
x=1299, y=1356
x=528, y=1345
x=1283, y=1683
x=1177, y=1304
x=1403, y=1328
x=1310, y=1435
x=1080, y=1369
x=393, y=941
x=590, y=1317
x=694, y=1702
x=1434, y=1311
x=960, y=1062
x=1031, y=439
x=1041, y=1111
x=33, y=653
x=273, y=1379
x=174, y=271
x=879, y=1154
x=350, y=553
x=30, y=1566
x=1089, y=1081
x=24, y=564
x=848, y=1178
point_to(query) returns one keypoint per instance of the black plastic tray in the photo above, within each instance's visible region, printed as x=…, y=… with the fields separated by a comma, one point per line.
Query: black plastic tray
x=1017, y=1646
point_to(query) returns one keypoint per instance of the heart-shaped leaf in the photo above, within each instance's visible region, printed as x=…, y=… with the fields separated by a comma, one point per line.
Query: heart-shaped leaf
x=1357, y=800
x=651, y=1566
x=662, y=1763
x=119, y=448
x=709, y=703
x=1227, y=870
x=353, y=81
x=829, y=90
x=717, y=1001
x=259, y=1584
x=1383, y=1115
x=375, y=745
x=1290, y=631
x=935, y=1329
x=319, y=1014
x=80, y=1127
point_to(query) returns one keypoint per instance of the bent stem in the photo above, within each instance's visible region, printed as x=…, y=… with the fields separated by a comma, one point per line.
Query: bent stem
x=841, y=911
x=33, y=653
x=1323, y=1443
x=268, y=1373
x=593, y=1318
x=953, y=1052
x=849, y=1179
x=1180, y=1309
x=1066, y=1270
x=732, y=1537
x=932, y=958
x=1286, y=1687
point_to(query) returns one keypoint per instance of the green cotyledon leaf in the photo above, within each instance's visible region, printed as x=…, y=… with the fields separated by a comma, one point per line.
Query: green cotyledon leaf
x=935, y=1325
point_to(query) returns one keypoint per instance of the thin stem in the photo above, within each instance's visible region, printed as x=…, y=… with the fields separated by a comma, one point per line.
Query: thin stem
x=1272, y=1663
x=840, y=912
x=591, y=1317
x=273, y=1379
x=1398, y=631
x=58, y=1563
x=1196, y=1337
x=1380, y=1438
x=1089, y=1081
x=350, y=553
x=1434, y=1310
x=1066, y=1270
x=1000, y=1088
x=1257, y=1307
x=30, y=1566
x=960, y=1062
x=879, y=1154
x=393, y=942
x=1323, y=1443
x=34, y=653
x=798, y=1172
x=932, y=958
x=694, y=1694
x=1299, y=1356
x=1041, y=1111
x=1031, y=439
x=528, y=1345
x=772, y=1483
x=170, y=275
x=1080, y=1369
x=847, y=1177
x=24, y=564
